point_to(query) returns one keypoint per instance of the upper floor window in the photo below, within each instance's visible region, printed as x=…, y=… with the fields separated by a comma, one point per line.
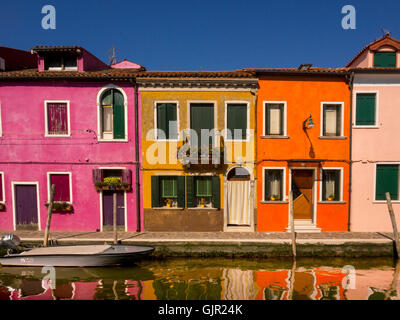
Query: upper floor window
x=202, y=123
x=236, y=121
x=387, y=180
x=61, y=63
x=166, y=121
x=112, y=112
x=385, y=60
x=57, y=118
x=274, y=118
x=331, y=120
x=366, y=109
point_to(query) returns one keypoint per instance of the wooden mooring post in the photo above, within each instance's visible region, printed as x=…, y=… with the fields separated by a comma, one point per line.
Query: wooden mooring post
x=292, y=224
x=115, y=218
x=49, y=213
x=394, y=225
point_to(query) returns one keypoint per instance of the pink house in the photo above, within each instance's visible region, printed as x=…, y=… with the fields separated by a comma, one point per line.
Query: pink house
x=73, y=122
x=375, y=135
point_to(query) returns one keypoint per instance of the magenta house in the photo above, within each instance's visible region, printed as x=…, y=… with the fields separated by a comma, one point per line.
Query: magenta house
x=74, y=122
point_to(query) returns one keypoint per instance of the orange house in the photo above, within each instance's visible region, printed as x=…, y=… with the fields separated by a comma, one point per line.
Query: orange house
x=303, y=146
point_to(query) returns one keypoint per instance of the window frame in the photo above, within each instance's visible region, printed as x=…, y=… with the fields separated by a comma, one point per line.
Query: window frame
x=354, y=124
x=284, y=135
x=214, y=103
x=247, y=122
x=46, y=124
x=375, y=176
x=340, y=187
x=156, y=122
x=49, y=174
x=62, y=67
x=99, y=114
x=284, y=195
x=327, y=103
x=2, y=201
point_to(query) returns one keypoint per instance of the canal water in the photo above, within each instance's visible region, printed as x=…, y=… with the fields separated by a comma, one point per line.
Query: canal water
x=211, y=279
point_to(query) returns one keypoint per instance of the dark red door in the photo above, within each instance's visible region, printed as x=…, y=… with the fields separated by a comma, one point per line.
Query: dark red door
x=26, y=205
x=108, y=208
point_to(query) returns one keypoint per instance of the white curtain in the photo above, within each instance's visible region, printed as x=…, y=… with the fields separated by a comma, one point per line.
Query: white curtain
x=275, y=120
x=330, y=121
x=239, y=285
x=239, y=204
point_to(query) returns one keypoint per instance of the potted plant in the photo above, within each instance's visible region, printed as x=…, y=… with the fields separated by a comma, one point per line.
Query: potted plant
x=61, y=206
x=169, y=202
x=275, y=197
x=112, y=183
x=331, y=197
x=202, y=203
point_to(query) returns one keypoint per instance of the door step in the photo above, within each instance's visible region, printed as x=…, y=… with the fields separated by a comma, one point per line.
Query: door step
x=304, y=226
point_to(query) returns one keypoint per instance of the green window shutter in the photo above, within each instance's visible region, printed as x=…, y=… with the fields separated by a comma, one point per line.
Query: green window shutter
x=385, y=59
x=171, y=117
x=216, y=192
x=162, y=120
x=118, y=115
x=181, y=191
x=155, y=191
x=169, y=187
x=190, y=199
x=387, y=180
x=201, y=117
x=203, y=187
x=237, y=119
x=365, y=109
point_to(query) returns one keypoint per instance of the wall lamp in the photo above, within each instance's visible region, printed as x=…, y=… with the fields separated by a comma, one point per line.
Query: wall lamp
x=308, y=125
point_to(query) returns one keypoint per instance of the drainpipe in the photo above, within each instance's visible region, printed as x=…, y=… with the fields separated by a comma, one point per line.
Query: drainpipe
x=351, y=80
x=137, y=161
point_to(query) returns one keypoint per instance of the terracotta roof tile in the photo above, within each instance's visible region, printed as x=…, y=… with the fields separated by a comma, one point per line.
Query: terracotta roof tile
x=196, y=74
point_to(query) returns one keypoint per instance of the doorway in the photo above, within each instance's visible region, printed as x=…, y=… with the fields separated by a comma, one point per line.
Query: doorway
x=26, y=206
x=108, y=210
x=303, y=194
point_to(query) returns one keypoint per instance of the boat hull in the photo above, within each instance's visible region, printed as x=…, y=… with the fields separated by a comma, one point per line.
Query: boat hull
x=120, y=255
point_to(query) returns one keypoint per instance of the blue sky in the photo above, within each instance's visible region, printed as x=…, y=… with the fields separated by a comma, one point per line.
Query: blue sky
x=204, y=35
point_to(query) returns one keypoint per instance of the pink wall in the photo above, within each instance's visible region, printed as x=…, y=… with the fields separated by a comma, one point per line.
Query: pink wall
x=372, y=145
x=26, y=155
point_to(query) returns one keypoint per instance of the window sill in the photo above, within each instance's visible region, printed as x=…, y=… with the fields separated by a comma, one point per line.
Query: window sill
x=199, y=208
x=113, y=140
x=331, y=202
x=274, y=137
x=274, y=202
x=57, y=135
x=365, y=127
x=384, y=201
x=165, y=208
x=237, y=140
x=333, y=137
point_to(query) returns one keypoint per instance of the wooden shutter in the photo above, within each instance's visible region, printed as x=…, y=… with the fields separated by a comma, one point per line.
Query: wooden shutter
x=118, y=116
x=266, y=185
x=181, y=192
x=337, y=185
x=274, y=119
x=162, y=120
x=331, y=118
x=97, y=175
x=190, y=198
x=171, y=117
x=201, y=117
x=155, y=191
x=365, y=109
x=385, y=59
x=57, y=118
x=126, y=176
x=387, y=180
x=216, y=192
x=237, y=119
x=61, y=181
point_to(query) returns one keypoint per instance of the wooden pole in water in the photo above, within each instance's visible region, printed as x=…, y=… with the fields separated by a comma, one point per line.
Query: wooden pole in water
x=292, y=224
x=394, y=225
x=49, y=213
x=115, y=217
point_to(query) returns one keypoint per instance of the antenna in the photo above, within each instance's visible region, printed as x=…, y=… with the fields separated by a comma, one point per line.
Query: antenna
x=112, y=58
x=386, y=32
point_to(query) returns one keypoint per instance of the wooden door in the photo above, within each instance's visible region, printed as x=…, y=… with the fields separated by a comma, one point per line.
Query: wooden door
x=302, y=187
x=108, y=217
x=26, y=206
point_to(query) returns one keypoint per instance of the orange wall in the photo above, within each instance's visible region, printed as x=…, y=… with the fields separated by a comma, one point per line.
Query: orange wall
x=303, y=97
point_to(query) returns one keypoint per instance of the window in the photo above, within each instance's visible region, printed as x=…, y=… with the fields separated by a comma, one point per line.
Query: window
x=61, y=63
x=167, y=121
x=57, y=118
x=331, y=185
x=236, y=121
x=203, y=192
x=274, y=119
x=168, y=191
x=202, y=118
x=387, y=180
x=332, y=120
x=112, y=115
x=273, y=184
x=1, y=187
x=385, y=60
x=365, y=109
x=63, y=186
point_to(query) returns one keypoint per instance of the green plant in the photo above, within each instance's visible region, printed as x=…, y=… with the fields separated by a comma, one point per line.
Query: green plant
x=60, y=206
x=112, y=180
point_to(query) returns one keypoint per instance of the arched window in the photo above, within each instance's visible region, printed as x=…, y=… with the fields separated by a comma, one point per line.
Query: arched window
x=112, y=115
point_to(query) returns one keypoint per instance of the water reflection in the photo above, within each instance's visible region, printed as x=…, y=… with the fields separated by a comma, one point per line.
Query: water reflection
x=210, y=279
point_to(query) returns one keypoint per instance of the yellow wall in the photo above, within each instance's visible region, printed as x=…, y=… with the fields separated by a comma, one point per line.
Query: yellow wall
x=173, y=165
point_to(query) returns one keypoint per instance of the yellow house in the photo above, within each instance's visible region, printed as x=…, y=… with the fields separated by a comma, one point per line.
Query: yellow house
x=198, y=134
